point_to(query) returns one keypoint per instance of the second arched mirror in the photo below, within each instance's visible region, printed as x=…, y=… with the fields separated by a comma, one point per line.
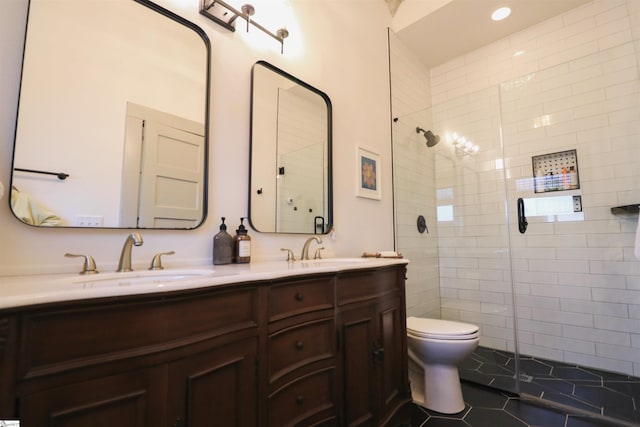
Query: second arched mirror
x=290, y=183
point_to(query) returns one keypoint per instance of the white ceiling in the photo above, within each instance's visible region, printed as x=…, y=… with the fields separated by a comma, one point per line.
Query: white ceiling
x=461, y=26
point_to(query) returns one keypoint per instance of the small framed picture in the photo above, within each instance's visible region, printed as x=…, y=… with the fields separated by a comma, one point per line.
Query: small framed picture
x=368, y=176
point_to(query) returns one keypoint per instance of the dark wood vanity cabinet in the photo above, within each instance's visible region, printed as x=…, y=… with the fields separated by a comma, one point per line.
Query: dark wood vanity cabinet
x=127, y=399
x=219, y=384
x=372, y=333
x=154, y=360
x=313, y=350
x=302, y=387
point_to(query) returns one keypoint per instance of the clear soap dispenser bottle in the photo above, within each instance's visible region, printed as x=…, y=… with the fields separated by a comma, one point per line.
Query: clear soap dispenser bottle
x=242, y=247
x=222, y=246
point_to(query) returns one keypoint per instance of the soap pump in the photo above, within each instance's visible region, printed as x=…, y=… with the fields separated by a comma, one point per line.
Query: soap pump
x=242, y=246
x=222, y=246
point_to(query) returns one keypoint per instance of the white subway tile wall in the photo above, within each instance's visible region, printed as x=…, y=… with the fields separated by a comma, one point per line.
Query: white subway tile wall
x=301, y=138
x=574, y=84
x=414, y=180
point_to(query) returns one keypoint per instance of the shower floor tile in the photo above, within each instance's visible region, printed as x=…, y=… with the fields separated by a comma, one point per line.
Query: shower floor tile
x=598, y=392
x=489, y=407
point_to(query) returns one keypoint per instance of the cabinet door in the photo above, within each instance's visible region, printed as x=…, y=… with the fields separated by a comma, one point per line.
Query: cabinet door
x=357, y=339
x=133, y=399
x=391, y=355
x=216, y=387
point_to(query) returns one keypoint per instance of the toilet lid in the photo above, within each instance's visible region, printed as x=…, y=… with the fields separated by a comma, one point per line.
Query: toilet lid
x=441, y=329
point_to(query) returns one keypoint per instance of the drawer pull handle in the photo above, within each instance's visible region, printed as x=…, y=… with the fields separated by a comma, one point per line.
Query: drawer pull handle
x=300, y=399
x=299, y=297
x=299, y=345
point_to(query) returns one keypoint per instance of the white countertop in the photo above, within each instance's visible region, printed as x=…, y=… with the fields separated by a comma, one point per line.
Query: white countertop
x=17, y=291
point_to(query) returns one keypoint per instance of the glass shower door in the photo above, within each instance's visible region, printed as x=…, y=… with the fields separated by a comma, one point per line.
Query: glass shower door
x=461, y=264
x=571, y=147
x=473, y=238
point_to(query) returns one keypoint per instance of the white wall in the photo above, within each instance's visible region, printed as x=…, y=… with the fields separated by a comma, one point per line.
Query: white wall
x=341, y=50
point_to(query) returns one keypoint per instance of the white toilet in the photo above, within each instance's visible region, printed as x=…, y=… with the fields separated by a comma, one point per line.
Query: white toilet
x=436, y=347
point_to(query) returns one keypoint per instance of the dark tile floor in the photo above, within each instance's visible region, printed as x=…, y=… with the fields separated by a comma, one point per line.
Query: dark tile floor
x=488, y=407
x=592, y=391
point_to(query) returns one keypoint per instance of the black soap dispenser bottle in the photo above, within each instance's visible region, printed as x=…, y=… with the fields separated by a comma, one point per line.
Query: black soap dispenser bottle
x=242, y=245
x=222, y=246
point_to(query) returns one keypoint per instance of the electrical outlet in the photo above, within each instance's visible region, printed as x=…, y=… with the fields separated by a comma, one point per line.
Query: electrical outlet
x=88, y=220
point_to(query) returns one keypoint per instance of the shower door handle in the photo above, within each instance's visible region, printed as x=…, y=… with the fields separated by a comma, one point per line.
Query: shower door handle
x=522, y=220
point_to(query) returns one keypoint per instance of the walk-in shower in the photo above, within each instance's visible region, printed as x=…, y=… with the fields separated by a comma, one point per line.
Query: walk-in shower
x=559, y=305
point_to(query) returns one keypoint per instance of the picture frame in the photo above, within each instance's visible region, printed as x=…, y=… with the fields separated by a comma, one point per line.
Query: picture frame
x=368, y=176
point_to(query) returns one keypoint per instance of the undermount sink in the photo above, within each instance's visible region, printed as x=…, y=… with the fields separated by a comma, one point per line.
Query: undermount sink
x=133, y=278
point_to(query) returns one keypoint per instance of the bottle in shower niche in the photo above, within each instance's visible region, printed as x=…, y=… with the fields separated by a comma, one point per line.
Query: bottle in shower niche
x=242, y=245
x=573, y=177
x=566, y=184
x=222, y=246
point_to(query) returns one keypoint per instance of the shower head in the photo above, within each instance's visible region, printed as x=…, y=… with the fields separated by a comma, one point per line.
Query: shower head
x=431, y=138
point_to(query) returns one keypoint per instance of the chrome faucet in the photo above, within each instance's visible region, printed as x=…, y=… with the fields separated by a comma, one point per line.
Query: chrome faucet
x=305, y=248
x=125, y=256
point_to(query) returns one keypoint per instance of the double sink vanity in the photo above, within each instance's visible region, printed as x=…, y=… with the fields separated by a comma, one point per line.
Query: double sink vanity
x=289, y=343
x=304, y=343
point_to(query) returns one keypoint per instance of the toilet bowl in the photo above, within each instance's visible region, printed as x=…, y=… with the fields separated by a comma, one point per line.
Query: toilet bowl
x=435, y=348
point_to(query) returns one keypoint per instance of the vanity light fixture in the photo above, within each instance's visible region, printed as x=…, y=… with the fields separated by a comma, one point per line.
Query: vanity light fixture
x=225, y=15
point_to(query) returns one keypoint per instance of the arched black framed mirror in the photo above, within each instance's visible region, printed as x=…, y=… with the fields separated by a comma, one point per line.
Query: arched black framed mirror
x=291, y=181
x=114, y=94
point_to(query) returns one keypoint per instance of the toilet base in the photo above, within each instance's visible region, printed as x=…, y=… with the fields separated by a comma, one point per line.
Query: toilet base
x=443, y=392
x=436, y=387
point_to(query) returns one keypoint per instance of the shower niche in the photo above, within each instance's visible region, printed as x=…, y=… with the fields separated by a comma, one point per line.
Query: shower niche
x=555, y=171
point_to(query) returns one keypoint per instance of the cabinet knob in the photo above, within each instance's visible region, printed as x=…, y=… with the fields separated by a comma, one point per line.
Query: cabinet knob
x=299, y=345
x=299, y=297
x=300, y=399
x=177, y=423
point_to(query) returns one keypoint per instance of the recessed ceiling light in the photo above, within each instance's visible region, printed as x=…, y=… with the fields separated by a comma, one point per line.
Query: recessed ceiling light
x=501, y=13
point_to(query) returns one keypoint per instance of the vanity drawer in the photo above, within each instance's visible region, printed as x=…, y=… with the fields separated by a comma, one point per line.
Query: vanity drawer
x=73, y=337
x=304, y=400
x=300, y=345
x=365, y=285
x=300, y=297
